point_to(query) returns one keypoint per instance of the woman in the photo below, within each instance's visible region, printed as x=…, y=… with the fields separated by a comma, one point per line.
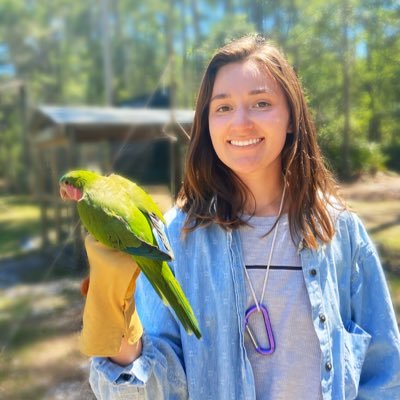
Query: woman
x=285, y=283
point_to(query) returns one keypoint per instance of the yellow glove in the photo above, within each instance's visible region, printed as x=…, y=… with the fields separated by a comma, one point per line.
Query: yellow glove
x=109, y=314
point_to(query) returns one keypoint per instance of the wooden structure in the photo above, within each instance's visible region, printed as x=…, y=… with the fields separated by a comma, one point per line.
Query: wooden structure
x=64, y=138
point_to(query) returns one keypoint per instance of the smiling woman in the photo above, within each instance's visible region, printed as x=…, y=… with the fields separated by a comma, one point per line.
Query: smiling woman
x=253, y=134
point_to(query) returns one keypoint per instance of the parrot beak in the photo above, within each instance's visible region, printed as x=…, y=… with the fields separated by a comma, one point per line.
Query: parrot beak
x=68, y=192
x=63, y=192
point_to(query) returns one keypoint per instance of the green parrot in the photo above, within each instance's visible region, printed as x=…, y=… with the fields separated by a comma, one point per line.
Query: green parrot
x=121, y=215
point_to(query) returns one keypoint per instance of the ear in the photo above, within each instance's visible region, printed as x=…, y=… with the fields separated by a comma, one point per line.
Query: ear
x=289, y=129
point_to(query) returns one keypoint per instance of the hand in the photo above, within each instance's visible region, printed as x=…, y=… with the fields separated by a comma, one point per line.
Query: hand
x=109, y=316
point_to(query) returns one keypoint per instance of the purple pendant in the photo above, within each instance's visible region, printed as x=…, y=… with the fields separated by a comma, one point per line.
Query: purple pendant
x=268, y=328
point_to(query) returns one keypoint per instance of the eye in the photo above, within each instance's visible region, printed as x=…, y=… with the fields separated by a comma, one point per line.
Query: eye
x=222, y=109
x=66, y=182
x=262, y=104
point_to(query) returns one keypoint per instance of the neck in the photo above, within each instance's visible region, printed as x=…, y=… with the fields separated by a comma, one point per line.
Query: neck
x=265, y=199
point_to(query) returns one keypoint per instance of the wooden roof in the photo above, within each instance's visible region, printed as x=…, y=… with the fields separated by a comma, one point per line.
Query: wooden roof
x=55, y=125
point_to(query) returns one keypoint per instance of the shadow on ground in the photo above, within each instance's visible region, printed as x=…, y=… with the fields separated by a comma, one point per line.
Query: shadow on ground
x=40, y=317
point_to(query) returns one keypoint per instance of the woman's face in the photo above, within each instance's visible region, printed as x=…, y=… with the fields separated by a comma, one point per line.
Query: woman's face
x=248, y=120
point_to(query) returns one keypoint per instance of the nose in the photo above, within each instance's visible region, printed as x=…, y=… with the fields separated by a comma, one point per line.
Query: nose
x=241, y=118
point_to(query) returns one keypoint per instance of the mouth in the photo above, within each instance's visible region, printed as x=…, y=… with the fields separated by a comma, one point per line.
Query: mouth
x=245, y=143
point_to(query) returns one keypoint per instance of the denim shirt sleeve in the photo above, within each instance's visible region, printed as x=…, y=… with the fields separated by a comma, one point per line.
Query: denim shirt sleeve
x=372, y=312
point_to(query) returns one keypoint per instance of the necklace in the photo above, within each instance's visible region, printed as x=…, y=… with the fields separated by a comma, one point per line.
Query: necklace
x=258, y=307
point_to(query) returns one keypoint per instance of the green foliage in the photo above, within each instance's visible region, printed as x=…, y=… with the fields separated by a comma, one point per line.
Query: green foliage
x=224, y=31
x=10, y=145
x=392, y=152
x=366, y=157
x=56, y=47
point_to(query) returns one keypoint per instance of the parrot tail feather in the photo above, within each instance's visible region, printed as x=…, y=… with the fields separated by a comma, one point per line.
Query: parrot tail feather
x=168, y=288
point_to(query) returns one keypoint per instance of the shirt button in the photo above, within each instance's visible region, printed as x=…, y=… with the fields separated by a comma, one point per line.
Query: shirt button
x=322, y=317
x=125, y=377
x=313, y=272
x=328, y=366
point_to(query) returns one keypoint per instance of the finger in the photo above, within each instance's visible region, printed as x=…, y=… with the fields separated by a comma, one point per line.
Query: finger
x=85, y=286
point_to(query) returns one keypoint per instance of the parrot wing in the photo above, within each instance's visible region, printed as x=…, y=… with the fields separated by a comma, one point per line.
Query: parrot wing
x=110, y=215
x=146, y=204
x=142, y=200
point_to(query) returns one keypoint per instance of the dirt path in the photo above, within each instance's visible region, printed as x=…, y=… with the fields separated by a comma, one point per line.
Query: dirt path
x=382, y=186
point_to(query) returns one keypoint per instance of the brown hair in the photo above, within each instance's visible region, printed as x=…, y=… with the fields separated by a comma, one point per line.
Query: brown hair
x=211, y=192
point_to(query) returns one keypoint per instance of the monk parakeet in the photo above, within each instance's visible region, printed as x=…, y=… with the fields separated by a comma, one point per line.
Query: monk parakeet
x=121, y=215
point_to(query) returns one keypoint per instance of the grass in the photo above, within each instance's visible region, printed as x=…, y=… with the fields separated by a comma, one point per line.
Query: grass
x=382, y=219
x=19, y=221
x=40, y=314
x=40, y=317
x=38, y=332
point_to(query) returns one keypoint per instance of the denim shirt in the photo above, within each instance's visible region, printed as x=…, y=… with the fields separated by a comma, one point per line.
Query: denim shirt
x=351, y=311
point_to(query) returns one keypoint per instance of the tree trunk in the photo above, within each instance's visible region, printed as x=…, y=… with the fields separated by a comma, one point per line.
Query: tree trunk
x=345, y=51
x=107, y=54
x=229, y=7
x=257, y=14
x=170, y=52
x=196, y=56
x=294, y=20
x=374, y=124
x=119, y=55
x=196, y=23
x=187, y=78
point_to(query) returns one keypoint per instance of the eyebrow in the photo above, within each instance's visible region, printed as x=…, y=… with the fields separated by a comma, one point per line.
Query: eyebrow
x=252, y=93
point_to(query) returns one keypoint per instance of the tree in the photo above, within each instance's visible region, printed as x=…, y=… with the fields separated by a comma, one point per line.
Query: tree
x=346, y=53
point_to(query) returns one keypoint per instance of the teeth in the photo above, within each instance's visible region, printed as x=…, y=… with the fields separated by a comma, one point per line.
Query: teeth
x=243, y=143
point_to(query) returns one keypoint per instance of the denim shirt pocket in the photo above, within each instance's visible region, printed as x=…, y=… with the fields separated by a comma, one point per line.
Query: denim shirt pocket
x=356, y=343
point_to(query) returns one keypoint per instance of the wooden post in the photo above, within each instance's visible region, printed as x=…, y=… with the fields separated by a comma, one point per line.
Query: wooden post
x=174, y=165
x=44, y=222
x=25, y=153
x=40, y=195
x=73, y=161
x=55, y=198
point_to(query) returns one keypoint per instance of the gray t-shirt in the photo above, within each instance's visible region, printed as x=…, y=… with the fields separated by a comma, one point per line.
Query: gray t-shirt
x=293, y=370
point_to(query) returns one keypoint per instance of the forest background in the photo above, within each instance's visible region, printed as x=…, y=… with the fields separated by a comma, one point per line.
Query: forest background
x=96, y=52
x=106, y=52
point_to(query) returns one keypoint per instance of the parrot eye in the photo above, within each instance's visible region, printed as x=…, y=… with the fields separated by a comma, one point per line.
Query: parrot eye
x=66, y=182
